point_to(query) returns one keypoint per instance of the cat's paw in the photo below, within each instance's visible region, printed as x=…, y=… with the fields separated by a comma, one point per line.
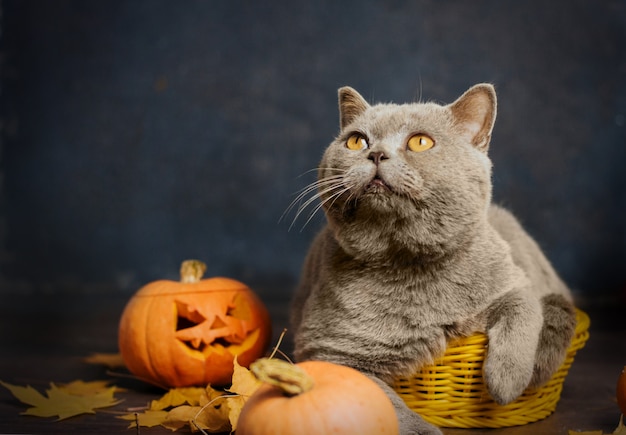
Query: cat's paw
x=506, y=377
x=556, y=334
x=546, y=364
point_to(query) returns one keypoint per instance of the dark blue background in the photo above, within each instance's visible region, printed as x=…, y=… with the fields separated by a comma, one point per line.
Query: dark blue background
x=136, y=134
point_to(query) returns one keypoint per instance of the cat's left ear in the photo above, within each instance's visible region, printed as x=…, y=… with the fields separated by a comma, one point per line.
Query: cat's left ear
x=475, y=113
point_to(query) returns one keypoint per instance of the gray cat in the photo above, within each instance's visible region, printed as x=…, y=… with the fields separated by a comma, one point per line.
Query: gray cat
x=414, y=254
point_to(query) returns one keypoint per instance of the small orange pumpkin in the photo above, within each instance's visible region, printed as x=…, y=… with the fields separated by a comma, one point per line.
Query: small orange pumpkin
x=185, y=333
x=315, y=397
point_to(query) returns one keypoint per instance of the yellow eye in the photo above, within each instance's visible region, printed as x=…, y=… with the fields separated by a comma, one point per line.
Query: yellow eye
x=356, y=142
x=420, y=142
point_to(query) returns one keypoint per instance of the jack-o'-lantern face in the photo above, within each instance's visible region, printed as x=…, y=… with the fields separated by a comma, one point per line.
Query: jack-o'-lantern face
x=188, y=333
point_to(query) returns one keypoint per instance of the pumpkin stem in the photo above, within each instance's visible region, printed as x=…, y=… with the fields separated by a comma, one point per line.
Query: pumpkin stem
x=192, y=271
x=288, y=377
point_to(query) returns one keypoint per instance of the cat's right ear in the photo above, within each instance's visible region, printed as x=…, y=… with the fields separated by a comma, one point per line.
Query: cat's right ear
x=351, y=105
x=475, y=112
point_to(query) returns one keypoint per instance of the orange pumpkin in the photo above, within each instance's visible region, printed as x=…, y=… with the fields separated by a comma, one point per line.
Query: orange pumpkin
x=315, y=397
x=176, y=334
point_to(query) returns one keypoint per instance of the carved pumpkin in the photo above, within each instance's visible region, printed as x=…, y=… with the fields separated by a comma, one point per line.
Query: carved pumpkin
x=185, y=333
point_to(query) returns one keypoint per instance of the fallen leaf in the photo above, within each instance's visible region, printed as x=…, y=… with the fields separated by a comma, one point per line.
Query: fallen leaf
x=110, y=360
x=214, y=415
x=60, y=403
x=243, y=386
x=180, y=416
x=197, y=418
x=179, y=396
x=200, y=408
x=592, y=432
x=146, y=419
x=81, y=388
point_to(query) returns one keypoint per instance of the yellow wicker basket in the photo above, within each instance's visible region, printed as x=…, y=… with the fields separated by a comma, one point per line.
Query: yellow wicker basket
x=451, y=393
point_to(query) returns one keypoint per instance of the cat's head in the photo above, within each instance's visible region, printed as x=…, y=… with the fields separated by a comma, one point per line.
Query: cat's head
x=408, y=177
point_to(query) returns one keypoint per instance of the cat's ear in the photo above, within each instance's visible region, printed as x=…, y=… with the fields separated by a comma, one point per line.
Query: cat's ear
x=475, y=113
x=351, y=105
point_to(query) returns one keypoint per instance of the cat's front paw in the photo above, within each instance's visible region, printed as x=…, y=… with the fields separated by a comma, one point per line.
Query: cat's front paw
x=506, y=377
x=556, y=334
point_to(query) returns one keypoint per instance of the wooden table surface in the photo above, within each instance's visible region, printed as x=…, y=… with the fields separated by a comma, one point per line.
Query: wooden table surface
x=44, y=339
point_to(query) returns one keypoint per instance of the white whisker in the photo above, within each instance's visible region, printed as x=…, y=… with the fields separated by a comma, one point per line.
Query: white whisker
x=331, y=185
x=334, y=197
x=314, y=198
x=320, y=168
x=308, y=189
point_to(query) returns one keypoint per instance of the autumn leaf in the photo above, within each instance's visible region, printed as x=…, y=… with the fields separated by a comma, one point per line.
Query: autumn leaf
x=243, y=386
x=146, y=419
x=180, y=416
x=198, y=418
x=82, y=388
x=110, y=360
x=59, y=402
x=215, y=411
x=177, y=397
x=200, y=408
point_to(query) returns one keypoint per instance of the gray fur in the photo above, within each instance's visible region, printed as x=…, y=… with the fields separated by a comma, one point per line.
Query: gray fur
x=420, y=255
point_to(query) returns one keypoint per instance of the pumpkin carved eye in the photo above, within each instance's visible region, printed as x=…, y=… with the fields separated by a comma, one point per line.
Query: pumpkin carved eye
x=356, y=142
x=420, y=142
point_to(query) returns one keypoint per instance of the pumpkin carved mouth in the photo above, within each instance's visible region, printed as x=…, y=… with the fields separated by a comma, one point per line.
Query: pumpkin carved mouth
x=199, y=332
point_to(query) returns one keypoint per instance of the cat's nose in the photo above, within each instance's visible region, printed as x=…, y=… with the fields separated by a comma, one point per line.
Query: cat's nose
x=377, y=157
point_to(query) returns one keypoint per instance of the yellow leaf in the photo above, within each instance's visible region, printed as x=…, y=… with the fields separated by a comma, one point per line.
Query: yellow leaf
x=59, y=402
x=177, y=397
x=184, y=406
x=244, y=385
x=207, y=419
x=214, y=415
x=146, y=419
x=180, y=416
x=81, y=388
x=110, y=360
x=211, y=395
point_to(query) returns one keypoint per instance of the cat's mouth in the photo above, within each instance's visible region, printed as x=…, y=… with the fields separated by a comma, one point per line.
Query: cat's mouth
x=377, y=185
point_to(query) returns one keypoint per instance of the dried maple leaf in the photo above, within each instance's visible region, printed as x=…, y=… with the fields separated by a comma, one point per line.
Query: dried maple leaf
x=177, y=397
x=200, y=408
x=60, y=403
x=146, y=419
x=180, y=416
x=244, y=385
x=214, y=415
x=82, y=388
x=110, y=360
x=197, y=418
